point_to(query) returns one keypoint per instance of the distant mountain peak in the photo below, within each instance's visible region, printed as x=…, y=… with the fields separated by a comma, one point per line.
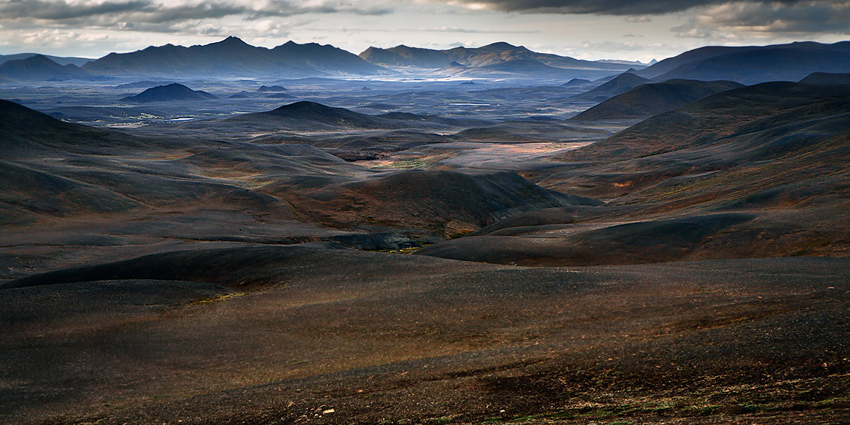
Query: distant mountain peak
x=303, y=106
x=37, y=60
x=231, y=42
x=233, y=57
x=494, y=54
x=265, y=88
x=40, y=67
x=501, y=45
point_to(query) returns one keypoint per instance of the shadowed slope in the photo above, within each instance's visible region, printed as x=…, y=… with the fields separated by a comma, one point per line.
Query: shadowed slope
x=647, y=100
x=826, y=78
x=40, y=67
x=620, y=84
x=782, y=61
x=732, y=145
x=311, y=116
x=382, y=337
x=27, y=133
x=762, y=65
x=169, y=93
x=311, y=111
x=632, y=243
x=778, y=153
x=451, y=202
x=61, y=60
x=60, y=169
x=237, y=268
x=750, y=119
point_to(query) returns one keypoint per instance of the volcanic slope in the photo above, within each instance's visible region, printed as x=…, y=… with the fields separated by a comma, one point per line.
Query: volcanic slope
x=451, y=202
x=647, y=100
x=52, y=167
x=364, y=337
x=40, y=67
x=67, y=178
x=751, y=172
x=826, y=78
x=169, y=93
x=310, y=117
x=618, y=85
x=752, y=65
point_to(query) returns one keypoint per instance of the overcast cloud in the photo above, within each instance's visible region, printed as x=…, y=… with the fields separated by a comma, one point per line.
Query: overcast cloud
x=98, y=12
x=558, y=26
x=606, y=7
x=741, y=19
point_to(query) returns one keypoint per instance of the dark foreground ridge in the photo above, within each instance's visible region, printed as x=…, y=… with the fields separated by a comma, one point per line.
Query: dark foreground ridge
x=348, y=336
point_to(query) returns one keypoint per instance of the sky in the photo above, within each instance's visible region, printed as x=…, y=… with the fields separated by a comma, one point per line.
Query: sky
x=587, y=29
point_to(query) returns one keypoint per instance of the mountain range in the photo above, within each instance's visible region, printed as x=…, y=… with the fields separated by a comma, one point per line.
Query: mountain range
x=61, y=60
x=233, y=58
x=489, y=55
x=647, y=100
x=753, y=64
x=41, y=68
x=617, y=85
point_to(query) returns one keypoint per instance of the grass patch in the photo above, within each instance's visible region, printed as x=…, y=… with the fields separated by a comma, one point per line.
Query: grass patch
x=219, y=298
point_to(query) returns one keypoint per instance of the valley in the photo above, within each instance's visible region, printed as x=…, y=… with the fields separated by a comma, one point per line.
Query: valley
x=489, y=235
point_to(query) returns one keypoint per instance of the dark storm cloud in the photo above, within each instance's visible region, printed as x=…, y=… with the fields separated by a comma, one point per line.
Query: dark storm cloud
x=60, y=11
x=724, y=21
x=603, y=7
x=709, y=18
x=149, y=11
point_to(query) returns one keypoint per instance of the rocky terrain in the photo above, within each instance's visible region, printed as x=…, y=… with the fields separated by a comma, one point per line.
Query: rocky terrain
x=623, y=250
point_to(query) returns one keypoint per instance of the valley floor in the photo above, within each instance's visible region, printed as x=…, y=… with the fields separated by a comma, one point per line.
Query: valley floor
x=319, y=265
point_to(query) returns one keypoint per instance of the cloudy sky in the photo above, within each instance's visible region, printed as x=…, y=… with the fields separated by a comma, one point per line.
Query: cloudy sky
x=587, y=29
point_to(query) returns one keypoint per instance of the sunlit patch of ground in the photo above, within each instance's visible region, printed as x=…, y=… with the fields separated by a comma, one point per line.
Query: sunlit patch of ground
x=475, y=155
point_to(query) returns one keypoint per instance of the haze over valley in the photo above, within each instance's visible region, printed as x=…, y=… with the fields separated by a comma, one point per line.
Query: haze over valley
x=226, y=233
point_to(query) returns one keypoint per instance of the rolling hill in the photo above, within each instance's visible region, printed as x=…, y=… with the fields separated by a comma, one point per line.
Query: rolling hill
x=311, y=116
x=753, y=120
x=169, y=93
x=452, y=203
x=41, y=68
x=25, y=133
x=753, y=65
x=826, y=78
x=618, y=85
x=56, y=168
x=61, y=60
x=756, y=171
x=647, y=100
